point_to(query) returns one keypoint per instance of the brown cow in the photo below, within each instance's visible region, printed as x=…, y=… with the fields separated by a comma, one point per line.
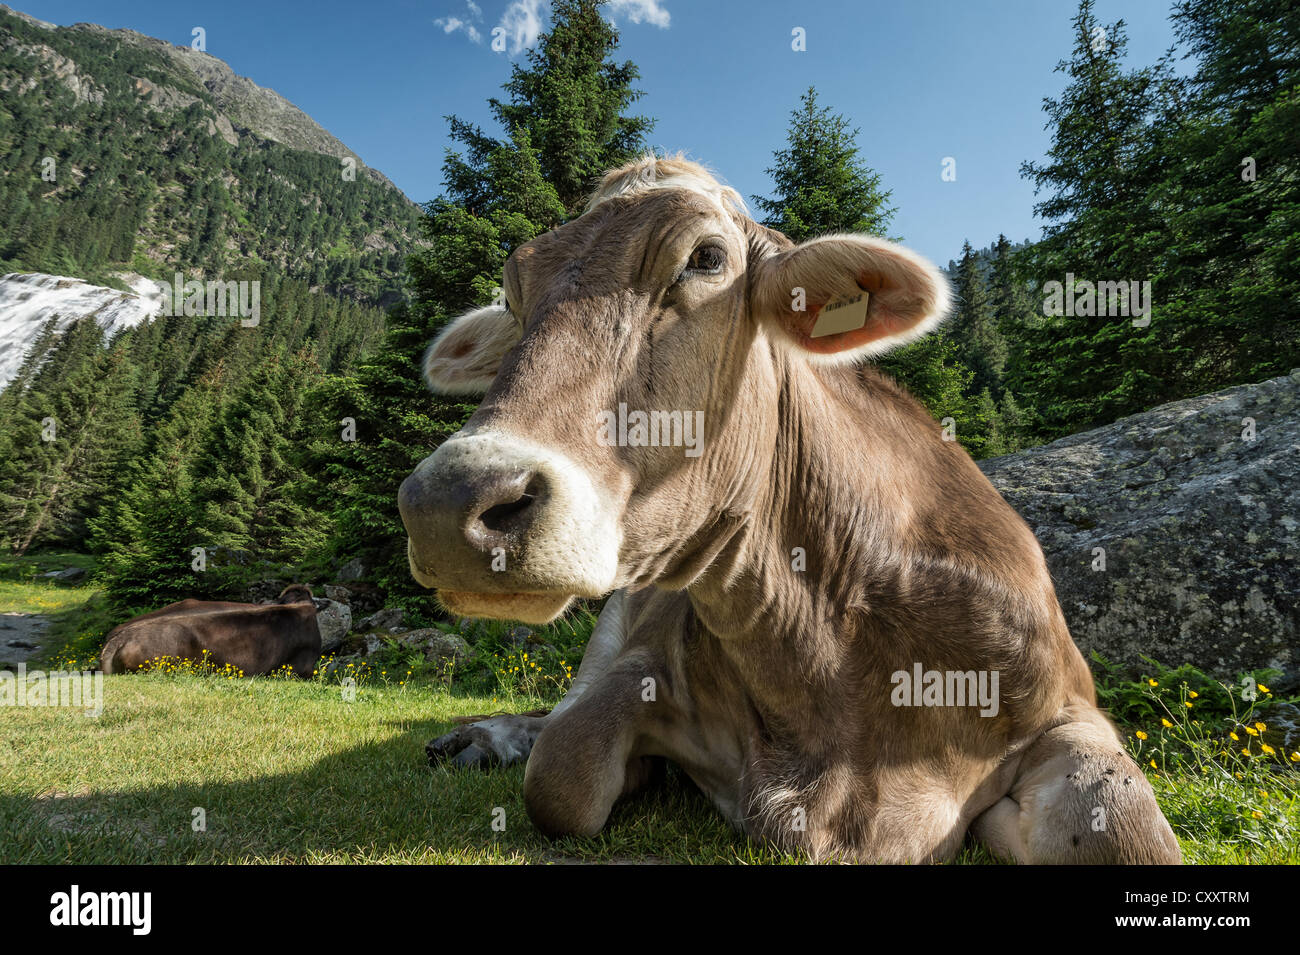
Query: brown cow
x=255, y=638
x=824, y=612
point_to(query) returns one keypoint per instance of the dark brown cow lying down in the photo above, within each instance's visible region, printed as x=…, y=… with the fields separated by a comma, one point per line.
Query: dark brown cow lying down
x=255, y=638
x=822, y=610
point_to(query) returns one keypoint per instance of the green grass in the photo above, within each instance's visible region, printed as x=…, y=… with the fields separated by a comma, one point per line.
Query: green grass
x=288, y=771
x=291, y=771
x=21, y=597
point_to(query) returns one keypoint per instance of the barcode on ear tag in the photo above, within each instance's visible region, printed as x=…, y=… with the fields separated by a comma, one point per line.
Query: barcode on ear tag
x=842, y=315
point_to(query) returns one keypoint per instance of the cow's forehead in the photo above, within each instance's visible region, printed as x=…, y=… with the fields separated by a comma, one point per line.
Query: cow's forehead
x=623, y=228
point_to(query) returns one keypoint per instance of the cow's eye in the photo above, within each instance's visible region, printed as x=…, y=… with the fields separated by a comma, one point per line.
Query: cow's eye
x=706, y=260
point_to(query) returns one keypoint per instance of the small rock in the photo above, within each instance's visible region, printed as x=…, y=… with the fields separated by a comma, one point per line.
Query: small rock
x=386, y=619
x=352, y=570
x=445, y=648
x=334, y=620
x=340, y=594
x=519, y=636
x=438, y=647
x=69, y=575
x=373, y=645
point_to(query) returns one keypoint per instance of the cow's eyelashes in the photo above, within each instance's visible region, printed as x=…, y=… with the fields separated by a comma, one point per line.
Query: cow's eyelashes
x=706, y=260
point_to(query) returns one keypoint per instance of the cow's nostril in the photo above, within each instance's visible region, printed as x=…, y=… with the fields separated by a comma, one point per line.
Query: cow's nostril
x=504, y=507
x=499, y=517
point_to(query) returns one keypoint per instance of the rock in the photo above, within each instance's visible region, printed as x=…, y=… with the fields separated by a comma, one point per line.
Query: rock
x=340, y=594
x=352, y=570
x=373, y=644
x=438, y=647
x=387, y=619
x=1198, y=524
x=446, y=648
x=519, y=636
x=69, y=575
x=334, y=620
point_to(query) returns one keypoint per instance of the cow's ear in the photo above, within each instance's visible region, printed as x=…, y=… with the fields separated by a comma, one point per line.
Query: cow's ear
x=465, y=357
x=839, y=298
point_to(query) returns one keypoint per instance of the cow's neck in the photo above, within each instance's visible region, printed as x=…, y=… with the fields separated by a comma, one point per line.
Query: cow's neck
x=809, y=549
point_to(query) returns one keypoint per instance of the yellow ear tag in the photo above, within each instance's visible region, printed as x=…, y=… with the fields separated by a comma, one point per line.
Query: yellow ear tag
x=842, y=315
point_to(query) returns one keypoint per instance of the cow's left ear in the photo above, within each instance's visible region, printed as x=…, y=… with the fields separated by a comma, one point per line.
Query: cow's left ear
x=465, y=358
x=839, y=298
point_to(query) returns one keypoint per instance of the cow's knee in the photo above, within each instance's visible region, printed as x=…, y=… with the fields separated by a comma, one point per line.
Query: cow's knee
x=582, y=761
x=1080, y=799
x=572, y=781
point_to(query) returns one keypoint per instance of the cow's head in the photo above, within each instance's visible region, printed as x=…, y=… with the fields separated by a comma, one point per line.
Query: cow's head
x=663, y=299
x=294, y=593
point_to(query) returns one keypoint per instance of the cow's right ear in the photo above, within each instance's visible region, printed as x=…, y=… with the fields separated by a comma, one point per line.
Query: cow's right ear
x=465, y=358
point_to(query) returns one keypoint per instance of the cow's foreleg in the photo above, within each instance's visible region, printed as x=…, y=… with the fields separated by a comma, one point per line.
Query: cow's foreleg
x=1079, y=798
x=587, y=755
x=502, y=740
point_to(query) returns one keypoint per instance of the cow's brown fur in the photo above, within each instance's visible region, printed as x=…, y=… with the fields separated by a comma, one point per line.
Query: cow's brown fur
x=254, y=638
x=773, y=686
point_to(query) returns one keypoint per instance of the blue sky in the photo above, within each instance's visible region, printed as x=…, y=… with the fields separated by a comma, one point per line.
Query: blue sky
x=922, y=79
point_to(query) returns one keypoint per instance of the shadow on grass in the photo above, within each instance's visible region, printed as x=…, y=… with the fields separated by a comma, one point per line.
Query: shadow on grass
x=379, y=801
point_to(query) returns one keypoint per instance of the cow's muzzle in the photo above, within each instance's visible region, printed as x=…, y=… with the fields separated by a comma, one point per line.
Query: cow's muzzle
x=505, y=528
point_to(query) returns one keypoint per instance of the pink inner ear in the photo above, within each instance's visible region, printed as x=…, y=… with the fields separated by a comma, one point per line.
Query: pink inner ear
x=880, y=324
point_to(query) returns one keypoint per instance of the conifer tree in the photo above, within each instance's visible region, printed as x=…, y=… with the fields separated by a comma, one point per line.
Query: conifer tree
x=823, y=186
x=498, y=195
x=146, y=532
x=980, y=344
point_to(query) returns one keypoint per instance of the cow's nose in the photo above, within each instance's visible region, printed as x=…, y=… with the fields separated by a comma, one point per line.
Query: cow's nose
x=484, y=509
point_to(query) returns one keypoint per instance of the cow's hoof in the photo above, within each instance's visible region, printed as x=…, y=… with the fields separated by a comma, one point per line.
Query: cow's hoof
x=496, y=741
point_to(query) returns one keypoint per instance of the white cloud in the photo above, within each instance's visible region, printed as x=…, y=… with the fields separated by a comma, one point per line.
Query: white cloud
x=522, y=22
x=640, y=11
x=452, y=24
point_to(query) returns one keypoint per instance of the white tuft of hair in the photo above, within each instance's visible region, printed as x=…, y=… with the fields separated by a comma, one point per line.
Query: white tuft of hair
x=665, y=172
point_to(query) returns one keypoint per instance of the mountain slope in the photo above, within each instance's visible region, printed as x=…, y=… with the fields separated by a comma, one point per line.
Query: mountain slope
x=124, y=151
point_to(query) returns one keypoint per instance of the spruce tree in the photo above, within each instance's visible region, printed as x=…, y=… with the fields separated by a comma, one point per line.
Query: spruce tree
x=1084, y=369
x=980, y=344
x=822, y=185
x=73, y=428
x=499, y=193
x=145, y=534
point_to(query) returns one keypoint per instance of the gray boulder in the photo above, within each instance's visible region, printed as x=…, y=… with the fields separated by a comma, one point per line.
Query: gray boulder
x=334, y=620
x=438, y=647
x=1175, y=533
x=352, y=570
x=69, y=575
x=339, y=594
x=390, y=618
